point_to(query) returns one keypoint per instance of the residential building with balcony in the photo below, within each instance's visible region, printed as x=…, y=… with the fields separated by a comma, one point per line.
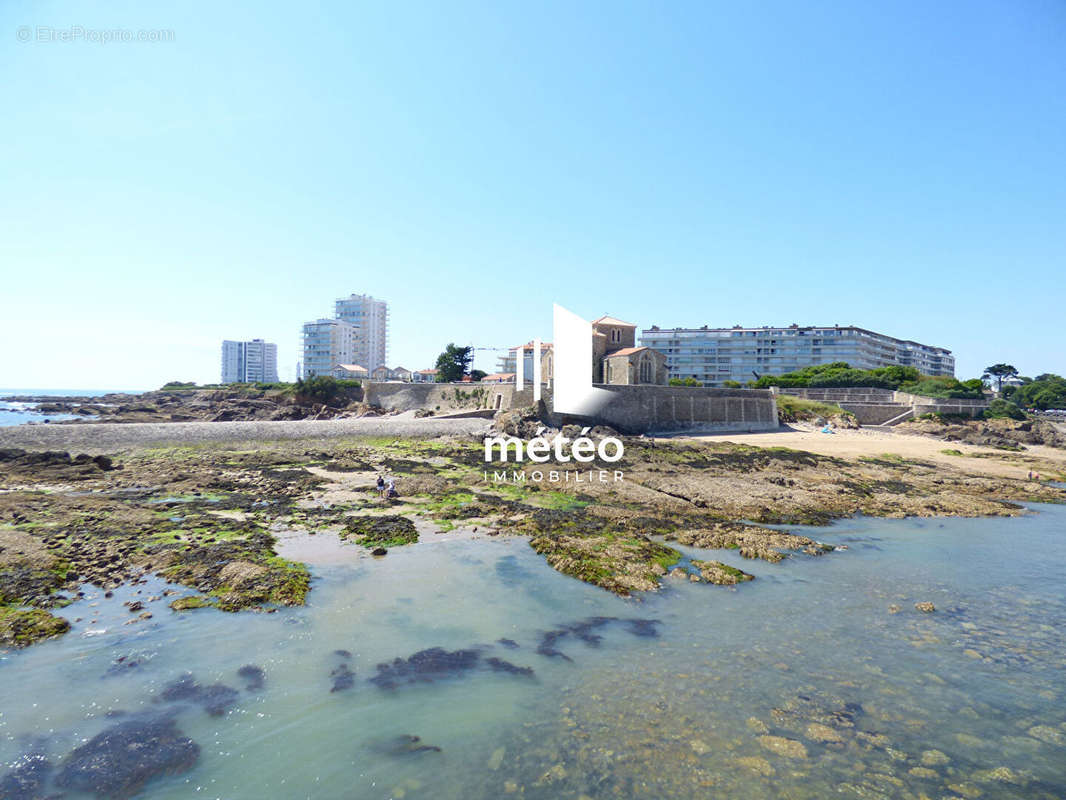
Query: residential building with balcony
x=715, y=355
x=326, y=343
x=249, y=362
x=370, y=319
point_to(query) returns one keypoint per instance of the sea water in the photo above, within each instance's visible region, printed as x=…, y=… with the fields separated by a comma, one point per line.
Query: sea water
x=832, y=640
x=22, y=413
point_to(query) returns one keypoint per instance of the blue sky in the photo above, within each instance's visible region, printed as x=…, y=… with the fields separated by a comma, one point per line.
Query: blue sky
x=899, y=166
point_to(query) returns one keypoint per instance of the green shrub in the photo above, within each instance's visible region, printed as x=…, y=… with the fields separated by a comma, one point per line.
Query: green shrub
x=685, y=382
x=1003, y=409
x=325, y=389
x=798, y=409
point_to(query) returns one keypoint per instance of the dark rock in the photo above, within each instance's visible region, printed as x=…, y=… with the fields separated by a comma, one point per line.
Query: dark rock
x=509, y=643
x=254, y=677
x=403, y=745
x=119, y=761
x=26, y=779
x=584, y=630
x=342, y=653
x=510, y=572
x=643, y=627
x=215, y=699
x=499, y=665
x=425, y=666
x=123, y=665
x=343, y=678
x=379, y=551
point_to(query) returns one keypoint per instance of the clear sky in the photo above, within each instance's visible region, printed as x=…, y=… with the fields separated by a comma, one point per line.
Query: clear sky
x=899, y=166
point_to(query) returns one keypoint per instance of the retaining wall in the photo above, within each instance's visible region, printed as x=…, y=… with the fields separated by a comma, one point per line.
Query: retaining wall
x=676, y=409
x=872, y=406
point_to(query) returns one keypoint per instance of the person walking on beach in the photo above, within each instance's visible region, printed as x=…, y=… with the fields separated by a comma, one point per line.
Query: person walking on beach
x=381, y=484
x=390, y=488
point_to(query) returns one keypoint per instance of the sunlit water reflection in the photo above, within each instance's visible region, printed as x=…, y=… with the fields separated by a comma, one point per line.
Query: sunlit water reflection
x=819, y=678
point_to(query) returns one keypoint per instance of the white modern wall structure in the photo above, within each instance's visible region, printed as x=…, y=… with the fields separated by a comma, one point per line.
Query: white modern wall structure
x=572, y=389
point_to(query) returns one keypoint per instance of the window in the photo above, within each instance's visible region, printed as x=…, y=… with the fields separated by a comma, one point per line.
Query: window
x=616, y=335
x=645, y=369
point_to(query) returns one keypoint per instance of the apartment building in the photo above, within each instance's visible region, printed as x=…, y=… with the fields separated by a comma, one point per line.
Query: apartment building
x=326, y=343
x=509, y=363
x=249, y=362
x=714, y=355
x=370, y=319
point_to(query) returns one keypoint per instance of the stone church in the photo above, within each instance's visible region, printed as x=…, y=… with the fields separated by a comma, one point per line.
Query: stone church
x=615, y=357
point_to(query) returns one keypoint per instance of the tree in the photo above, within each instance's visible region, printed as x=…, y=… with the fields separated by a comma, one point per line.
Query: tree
x=454, y=363
x=685, y=382
x=477, y=375
x=999, y=372
x=1047, y=391
x=1002, y=409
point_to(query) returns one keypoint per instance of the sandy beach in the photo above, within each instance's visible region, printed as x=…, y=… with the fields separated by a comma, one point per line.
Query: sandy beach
x=867, y=443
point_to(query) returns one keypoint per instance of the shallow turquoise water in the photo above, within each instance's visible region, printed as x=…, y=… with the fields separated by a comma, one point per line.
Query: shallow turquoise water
x=810, y=641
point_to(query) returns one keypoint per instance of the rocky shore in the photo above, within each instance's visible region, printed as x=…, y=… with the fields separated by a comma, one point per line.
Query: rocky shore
x=204, y=513
x=225, y=404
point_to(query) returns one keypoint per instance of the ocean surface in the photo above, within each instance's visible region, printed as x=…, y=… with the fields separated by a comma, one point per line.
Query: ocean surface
x=877, y=699
x=19, y=413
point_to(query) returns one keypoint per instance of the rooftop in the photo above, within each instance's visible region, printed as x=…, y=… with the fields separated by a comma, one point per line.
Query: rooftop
x=605, y=320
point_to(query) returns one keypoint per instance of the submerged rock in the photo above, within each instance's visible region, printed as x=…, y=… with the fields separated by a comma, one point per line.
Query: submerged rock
x=781, y=746
x=755, y=764
x=215, y=699
x=254, y=677
x=499, y=665
x=119, y=761
x=1048, y=735
x=934, y=758
x=403, y=745
x=425, y=666
x=511, y=644
x=26, y=779
x=925, y=607
x=817, y=732
x=584, y=630
x=343, y=678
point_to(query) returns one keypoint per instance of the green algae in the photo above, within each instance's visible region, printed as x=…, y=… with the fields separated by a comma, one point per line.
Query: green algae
x=391, y=530
x=20, y=627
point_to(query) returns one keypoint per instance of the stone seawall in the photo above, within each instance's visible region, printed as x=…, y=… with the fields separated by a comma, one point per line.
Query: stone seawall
x=876, y=406
x=676, y=409
x=632, y=409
